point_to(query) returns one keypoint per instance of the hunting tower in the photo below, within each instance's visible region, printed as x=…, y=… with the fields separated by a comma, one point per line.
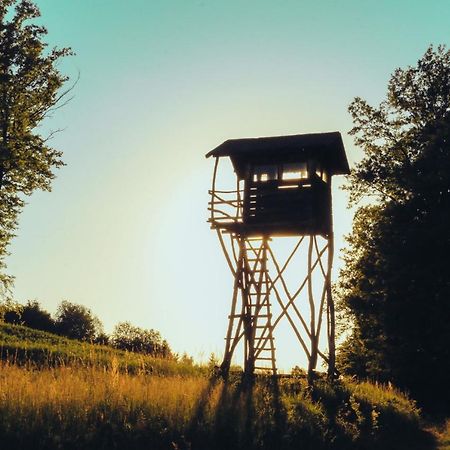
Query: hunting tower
x=282, y=189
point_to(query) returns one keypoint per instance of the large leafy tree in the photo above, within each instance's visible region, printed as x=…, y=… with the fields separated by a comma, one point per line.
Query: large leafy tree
x=396, y=282
x=77, y=322
x=30, y=89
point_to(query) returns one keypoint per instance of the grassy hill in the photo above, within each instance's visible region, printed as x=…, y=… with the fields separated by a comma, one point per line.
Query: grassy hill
x=25, y=346
x=61, y=394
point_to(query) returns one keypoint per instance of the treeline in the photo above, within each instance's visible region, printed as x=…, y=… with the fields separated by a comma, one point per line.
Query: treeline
x=395, y=286
x=76, y=321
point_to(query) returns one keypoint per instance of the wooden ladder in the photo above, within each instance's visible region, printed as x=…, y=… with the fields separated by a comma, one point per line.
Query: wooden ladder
x=257, y=308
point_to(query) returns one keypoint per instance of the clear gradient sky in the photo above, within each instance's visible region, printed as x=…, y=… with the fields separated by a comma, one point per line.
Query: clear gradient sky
x=124, y=231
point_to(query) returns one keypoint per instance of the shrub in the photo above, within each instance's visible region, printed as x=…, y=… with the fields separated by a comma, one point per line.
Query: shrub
x=134, y=339
x=77, y=322
x=33, y=316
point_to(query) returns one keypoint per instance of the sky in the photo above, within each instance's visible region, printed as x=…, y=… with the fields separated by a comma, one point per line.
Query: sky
x=161, y=83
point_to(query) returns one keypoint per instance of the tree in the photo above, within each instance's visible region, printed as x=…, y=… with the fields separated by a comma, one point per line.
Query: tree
x=30, y=90
x=134, y=339
x=395, y=285
x=30, y=315
x=77, y=322
x=33, y=316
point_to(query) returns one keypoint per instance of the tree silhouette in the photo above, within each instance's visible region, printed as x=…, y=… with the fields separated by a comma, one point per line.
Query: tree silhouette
x=77, y=322
x=129, y=337
x=30, y=89
x=34, y=316
x=396, y=284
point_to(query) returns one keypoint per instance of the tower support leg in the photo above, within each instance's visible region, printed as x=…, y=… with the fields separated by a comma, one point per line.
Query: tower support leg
x=331, y=312
x=250, y=319
x=253, y=321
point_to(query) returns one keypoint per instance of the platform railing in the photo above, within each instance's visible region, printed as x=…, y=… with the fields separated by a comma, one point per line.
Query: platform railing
x=225, y=208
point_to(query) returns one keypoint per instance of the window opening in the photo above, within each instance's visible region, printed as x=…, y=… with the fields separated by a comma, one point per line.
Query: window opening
x=295, y=171
x=321, y=173
x=265, y=173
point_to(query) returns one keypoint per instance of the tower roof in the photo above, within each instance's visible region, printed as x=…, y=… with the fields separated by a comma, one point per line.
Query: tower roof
x=326, y=148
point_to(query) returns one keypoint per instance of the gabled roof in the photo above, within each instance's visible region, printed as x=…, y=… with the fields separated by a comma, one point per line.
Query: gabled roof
x=327, y=148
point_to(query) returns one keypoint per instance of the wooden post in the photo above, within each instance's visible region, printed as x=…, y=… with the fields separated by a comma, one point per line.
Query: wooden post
x=225, y=366
x=331, y=312
x=312, y=363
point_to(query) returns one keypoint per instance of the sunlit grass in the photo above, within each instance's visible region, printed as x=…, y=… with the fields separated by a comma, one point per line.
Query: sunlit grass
x=61, y=394
x=48, y=407
x=89, y=407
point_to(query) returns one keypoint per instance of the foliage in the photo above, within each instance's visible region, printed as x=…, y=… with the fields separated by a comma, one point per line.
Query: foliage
x=34, y=316
x=404, y=138
x=396, y=285
x=77, y=322
x=129, y=337
x=30, y=89
x=10, y=311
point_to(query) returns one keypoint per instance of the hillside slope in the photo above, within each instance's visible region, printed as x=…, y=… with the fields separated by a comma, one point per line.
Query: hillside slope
x=25, y=346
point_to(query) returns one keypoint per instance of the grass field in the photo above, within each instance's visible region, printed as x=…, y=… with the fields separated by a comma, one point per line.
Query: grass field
x=91, y=397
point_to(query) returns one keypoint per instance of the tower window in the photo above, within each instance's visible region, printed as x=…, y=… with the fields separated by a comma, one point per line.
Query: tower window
x=322, y=174
x=265, y=173
x=295, y=171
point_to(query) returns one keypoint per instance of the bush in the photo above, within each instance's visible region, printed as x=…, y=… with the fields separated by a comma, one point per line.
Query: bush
x=33, y=316
x=135, y=339
x=77, y=322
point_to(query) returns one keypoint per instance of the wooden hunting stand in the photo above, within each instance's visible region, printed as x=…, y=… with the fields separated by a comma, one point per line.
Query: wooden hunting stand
x=283, y=188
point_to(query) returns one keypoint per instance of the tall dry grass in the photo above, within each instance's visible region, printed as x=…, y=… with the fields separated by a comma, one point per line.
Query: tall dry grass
x=89, y=407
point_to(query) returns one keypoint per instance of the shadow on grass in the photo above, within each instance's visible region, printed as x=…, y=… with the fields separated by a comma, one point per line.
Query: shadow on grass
x=268, y=413
x=238, y=413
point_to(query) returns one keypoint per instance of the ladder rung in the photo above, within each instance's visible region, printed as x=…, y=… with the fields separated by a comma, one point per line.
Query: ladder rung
x=243, y=315
x=272, y=369
x=263, y=359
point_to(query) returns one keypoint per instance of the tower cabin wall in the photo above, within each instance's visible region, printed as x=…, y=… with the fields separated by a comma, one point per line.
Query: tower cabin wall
x=287, y=198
